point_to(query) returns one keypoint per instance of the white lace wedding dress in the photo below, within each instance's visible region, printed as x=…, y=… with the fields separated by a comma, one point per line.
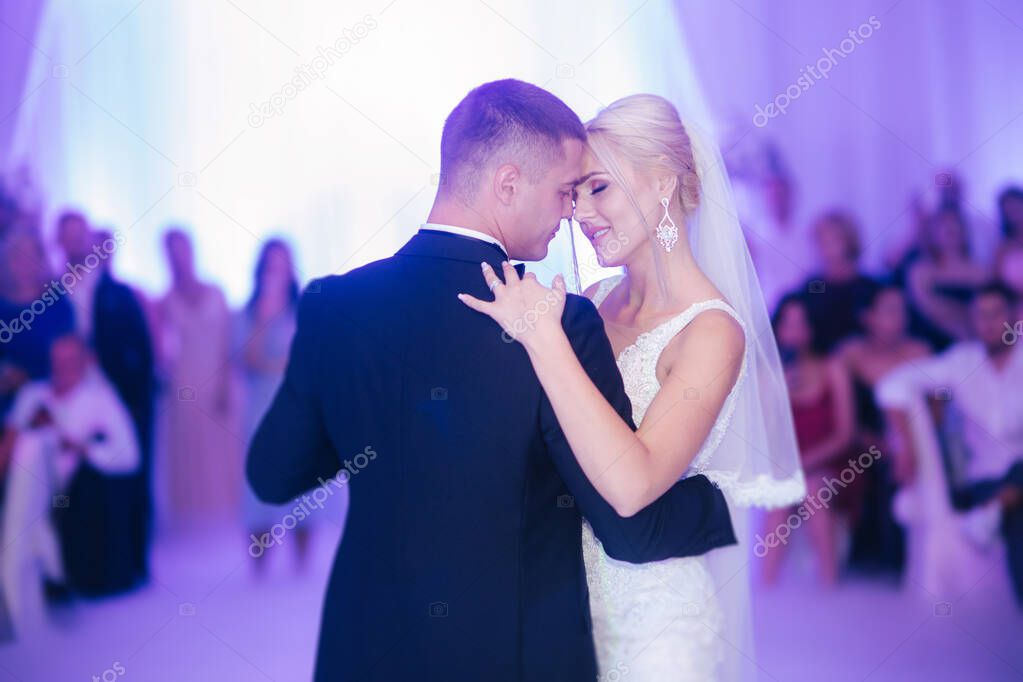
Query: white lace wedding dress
x=658, y=621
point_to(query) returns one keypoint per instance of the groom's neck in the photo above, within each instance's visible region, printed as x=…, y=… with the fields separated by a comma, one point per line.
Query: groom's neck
x=458, y=214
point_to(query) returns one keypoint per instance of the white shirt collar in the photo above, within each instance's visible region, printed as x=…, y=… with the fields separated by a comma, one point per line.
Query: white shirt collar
x=464, y=232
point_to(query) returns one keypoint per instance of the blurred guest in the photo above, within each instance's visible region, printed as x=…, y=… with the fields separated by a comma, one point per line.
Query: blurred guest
x=34, y=310
x=72, y=439
x=109, y=314
x=905, y=250
x=124, y=348
x=824, y=416
x=202, y=457
x=885, y=344
x=779, y=248
x=263, y=332
x=74, y=236
x=840, y=288
x=869, y=357
x=9, y=210
x=981, y=379
x=1009, y=259
x=110, y=317
x=946, y=193
x=942, y=281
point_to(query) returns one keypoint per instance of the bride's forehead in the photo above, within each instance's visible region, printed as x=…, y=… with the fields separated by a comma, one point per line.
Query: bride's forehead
x=591, y=164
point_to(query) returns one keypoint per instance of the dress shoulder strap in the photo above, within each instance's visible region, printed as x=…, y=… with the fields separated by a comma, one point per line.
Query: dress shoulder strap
x=604, y=288
x=667, y=330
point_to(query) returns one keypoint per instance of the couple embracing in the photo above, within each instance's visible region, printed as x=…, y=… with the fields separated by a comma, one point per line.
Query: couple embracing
x=557, y=500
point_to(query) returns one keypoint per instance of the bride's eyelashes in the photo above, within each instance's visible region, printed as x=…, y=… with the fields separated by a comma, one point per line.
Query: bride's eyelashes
x=598, y=189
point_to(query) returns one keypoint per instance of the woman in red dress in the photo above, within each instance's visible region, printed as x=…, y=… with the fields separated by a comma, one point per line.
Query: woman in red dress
x=824, y=414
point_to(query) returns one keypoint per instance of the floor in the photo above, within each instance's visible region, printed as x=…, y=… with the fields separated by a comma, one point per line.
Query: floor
x=208, y=616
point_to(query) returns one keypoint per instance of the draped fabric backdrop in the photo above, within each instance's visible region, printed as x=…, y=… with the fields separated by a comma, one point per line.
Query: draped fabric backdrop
x=933, y=88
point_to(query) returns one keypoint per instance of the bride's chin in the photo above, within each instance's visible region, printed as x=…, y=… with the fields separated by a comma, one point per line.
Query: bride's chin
x=607, y=261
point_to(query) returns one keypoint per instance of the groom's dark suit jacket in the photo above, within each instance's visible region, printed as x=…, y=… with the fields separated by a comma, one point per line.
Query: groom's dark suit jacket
x=461, y=557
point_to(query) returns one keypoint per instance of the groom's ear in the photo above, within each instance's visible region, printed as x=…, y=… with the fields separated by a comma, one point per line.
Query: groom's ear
x=506, y=180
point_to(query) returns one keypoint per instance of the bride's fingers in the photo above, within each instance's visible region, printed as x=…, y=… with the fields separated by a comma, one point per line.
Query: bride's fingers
x=475, y=303
x=559, y=285
x=511, y=277
x=490, y=277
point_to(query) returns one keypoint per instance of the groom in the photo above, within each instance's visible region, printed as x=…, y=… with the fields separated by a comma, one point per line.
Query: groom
x=461, y=557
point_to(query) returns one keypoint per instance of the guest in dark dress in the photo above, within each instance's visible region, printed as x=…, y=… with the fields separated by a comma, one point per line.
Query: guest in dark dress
x=878, y=542
x=941, y=283
x=32, y=313
x=948, y=194
x=840, y=289
x=9, y=211
x=1009, y=259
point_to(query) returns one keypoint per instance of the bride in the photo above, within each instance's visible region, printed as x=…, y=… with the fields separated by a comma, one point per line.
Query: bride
x=690, y=331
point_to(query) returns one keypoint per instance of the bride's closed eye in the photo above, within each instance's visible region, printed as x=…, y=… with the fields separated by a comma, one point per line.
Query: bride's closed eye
x=598, y=189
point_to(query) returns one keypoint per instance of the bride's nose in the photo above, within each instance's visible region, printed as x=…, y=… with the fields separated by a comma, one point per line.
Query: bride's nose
x=583, y=209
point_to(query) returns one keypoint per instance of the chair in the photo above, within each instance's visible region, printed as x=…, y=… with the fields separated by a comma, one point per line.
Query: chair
x=940, y=557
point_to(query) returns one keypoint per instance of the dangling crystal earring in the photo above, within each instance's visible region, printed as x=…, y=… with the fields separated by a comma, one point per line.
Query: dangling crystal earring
x=667, y=232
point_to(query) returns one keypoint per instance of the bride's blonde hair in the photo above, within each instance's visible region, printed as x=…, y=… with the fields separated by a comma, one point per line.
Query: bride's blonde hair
x=646, y=131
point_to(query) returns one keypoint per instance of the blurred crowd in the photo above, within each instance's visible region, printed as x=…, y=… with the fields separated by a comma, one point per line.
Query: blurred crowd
x=120, y=411
x=904, y=388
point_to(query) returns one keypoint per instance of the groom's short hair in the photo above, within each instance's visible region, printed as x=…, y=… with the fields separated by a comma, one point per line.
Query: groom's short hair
x=519, y=121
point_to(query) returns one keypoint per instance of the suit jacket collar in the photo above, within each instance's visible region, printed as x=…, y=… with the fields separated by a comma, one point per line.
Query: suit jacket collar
x=435, y=244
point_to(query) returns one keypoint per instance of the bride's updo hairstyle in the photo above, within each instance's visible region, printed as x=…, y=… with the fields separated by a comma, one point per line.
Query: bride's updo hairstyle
x=646, y=131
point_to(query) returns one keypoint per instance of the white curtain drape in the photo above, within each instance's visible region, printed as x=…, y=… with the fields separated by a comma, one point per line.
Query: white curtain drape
x=934, y=87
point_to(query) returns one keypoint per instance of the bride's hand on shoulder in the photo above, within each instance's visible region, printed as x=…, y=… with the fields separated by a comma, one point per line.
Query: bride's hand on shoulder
x=529, y=312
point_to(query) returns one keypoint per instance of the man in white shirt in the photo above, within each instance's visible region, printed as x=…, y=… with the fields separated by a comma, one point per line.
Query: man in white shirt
x=982, y=379
x=71, y=426
x=80, y=411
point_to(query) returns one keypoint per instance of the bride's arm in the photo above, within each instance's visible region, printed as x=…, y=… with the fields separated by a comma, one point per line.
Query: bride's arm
x=630, y=470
